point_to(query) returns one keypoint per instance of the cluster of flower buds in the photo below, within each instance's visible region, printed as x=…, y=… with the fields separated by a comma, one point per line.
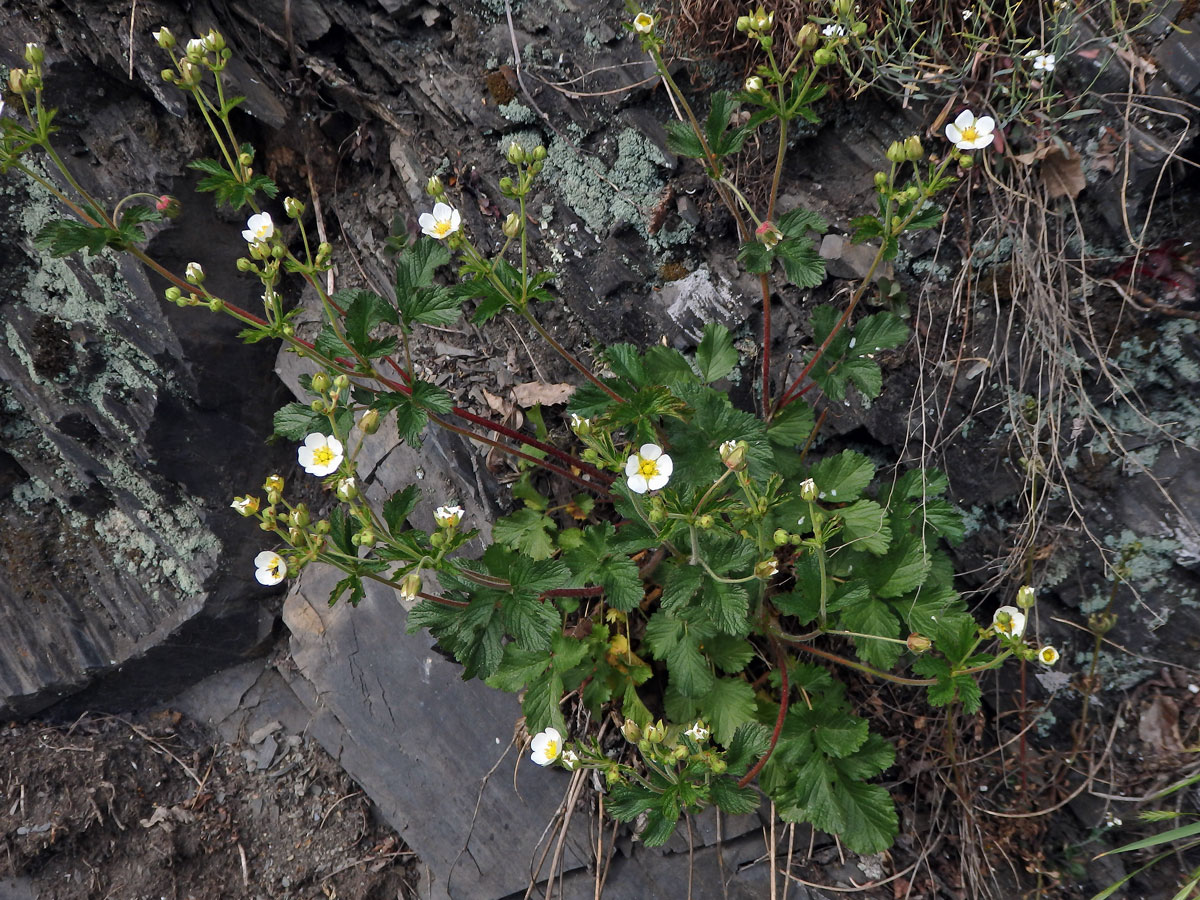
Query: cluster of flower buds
x=22, y=80
x=529, y=165
x=757, y=23
x=907, y=150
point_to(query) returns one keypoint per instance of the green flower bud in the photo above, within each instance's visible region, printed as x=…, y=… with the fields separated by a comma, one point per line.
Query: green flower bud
x=705, y=522
x=512, y=225
x=506, y=186
x=216, y=304
x=733, y=455
x=822, y=56
x=16, y=80
x=410, y=588
x=753, y=84
x=165, y=39
x=369, y=423
x=317, y=406
x=965, y=161
x=918, y=643
x=320, y=382
x=780, y=537
x=168, y=75
x=34, y=55
x=539, y=153
x=174, y=294
x=858, y=29
x=881, y=181
x=273, y=483
x=293, y=207
x=1026, y=597
x=366, y=538
x=656, y=732
x=680, y=752
x=766, y=569
x=808, y=490
x=515, y=154
x=631, y=730
x=342, y=381
x=324, y=251
x=214, y=41
x=719, y=766
x=744, y=23
x=807, y=37
x=434, y=186
x=895, y=152
x=913, y=149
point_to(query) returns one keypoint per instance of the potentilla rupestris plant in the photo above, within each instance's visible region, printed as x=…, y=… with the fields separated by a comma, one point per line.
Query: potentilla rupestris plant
x=709, y=563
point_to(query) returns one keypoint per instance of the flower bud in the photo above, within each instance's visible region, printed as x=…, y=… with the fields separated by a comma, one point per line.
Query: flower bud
x=168, y=75
x=655, y=733
x=719, y=766
x=506, y=186
x=34, y=55
x=913, y=150
x=347, y=489
x=369, y=423
x=366, y=538
x=320, y=382
x=753, y=84
x=895, y=152
x=410, y=588
x=823, y=56
x=515, y=153
x=448, y=516
x=293, y=207
x=189, y=73
x=214, y=41
x=195, y=49
x=807, y=37
x=16, y=81
x=324, y=251
x=174, y=295
x=808, y=490
x=539, y=153
x=768, y=235
x=194, y=273
x=1026, y=597
x=918, y=643
x=434, y=186
x=216, y=304
x=858, y=29
x=780, y=537
x=733, y=454
x=512, y=225
x=580, y=425
x=965, y=161
x=342, y=381
x=705, y=522
x=744, y=23
x=246, y=506
x=680, y=752
x=299, y=516
x=246, y=265
x=165, y=39
x=766, y=569
x=631, y=730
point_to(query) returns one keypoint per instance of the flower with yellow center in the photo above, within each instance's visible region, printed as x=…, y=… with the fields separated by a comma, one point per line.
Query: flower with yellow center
x=643, y=23
x=270, y=568
x=1047, y=656
x=970, y=133
x=247, y=505
x=1009, y=621
x=441, y=223
x=698, y=732
x=259, y=228
x=546, y=747
x=648, y=470
x=448, y=516
x=320, y=454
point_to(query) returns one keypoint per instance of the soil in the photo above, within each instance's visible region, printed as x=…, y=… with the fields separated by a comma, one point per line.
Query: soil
x=150, y=807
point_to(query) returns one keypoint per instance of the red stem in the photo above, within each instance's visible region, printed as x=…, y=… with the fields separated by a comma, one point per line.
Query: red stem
x=784, y=690
x=766, y=350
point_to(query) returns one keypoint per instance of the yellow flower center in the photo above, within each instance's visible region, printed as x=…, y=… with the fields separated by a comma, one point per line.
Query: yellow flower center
x=552, y=750
x=970, y=133
x=648, y=468
x=323, y=456
x=442, y=228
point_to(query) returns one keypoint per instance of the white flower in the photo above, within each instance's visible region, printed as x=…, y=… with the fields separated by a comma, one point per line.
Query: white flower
x=441, y=223
x=569, y=760
x=1044, y=62
x=970, y=133
x=546, y=746
x=194, y=273
x=259, y=227
x=834, y=31
x=347, y=489
x=753, y=83
x=196, y=47
x=967, y=14
x=320, y=454
x=269, y=568
x=1010, y=621
x=1047, y=656
x=697, y=732
x=448, y=516
x=643, y=23
x=247, y=505
x=648, y=470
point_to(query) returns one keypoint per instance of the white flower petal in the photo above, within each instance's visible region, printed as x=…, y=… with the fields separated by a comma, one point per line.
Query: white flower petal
x=638, y=484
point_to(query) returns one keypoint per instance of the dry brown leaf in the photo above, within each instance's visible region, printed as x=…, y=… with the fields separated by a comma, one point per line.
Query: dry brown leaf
x=1062, y=173
x=533, y=392
x=1159, y=725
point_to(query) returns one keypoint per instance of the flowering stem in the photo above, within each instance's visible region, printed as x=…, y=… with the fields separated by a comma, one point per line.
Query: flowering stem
x=851, y=664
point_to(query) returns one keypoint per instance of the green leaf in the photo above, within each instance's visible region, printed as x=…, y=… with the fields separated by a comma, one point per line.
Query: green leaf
x=62, y=237
x=814, y=792
x=734, y=800
x=802, y=264
x=626, y=801
x=832, y=729
x=681, y=584
x=682, y=141
x=874, y=756
x=864, y=523
x=881, y=331
x=861, y=612
x=728, y=704
x=726, y=606
x=755, y=257
x=799, y=222
x=517, y=669
x=530, y=621
x=666, y=365
x=351, y=583
x=842, y=478
x=397, y=507
x=676, y=642
x=296, y=421
x=429, y=306
x=866, y=228
x=416, y=266
x=660, y=824
x=723, y=106
x=750, y=741
x=715, y=356
x=527, y=531
x=365, y=311
x=593, y=562
x=568, y=652
x=945, y=519
x=864, y=374
x=626, y=362
x=792, y=425
x=902, y=569
x=540, y=703
x=869, y=814
x=729, y=654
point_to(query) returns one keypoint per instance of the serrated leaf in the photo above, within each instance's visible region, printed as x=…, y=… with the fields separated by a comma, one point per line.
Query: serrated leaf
x=864, y=374
x=62, y=237
x=517, y=668
x=865, y=228
x=726, y=606
x=945, y=520
x=876, y=755
x=540, y=703
x=351, y=583
x=688, y=669
x=430, y=306
x=814, y=793
x=296, y=421
x=527, y=531
x=734, y=800
x=626, y=801
x=728, y=704
x=755, y=257
x=416, y=266
x=842, y=478
x=626, y=363
x=681, y=584
x=594, y=562
x=365, y=311
x=750, y=741
x=660, y=824
x=398, y=506
x=792, y=425
x=864, y=523
x=881, y=331
x=862, y=613
x=567, y=652
x=728, y=653
x=798, y=222
x=682, y=141
x=869, y=814
x=902, y=569
x=530, y=621
x=723, y=106
x=802, y=264
x=715, y=356
x=666, y=365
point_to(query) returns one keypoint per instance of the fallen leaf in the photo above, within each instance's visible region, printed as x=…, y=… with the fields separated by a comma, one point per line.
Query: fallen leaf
x=1062, y=173
x=533, y=392
x=1159, y=725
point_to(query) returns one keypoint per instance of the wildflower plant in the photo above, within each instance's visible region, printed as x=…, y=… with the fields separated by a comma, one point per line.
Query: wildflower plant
x=717, y=572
